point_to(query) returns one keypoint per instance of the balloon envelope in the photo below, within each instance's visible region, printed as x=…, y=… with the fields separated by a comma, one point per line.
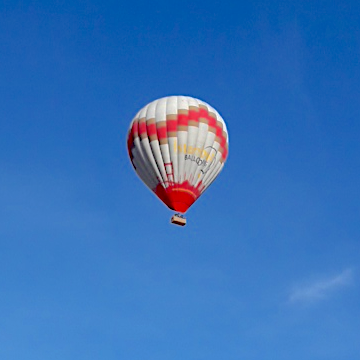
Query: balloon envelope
x=178, y=145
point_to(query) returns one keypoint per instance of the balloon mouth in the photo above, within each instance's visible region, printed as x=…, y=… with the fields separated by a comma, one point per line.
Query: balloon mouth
x=178, y=197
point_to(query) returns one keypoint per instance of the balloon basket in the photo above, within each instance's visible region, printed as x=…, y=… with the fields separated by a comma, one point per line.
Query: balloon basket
x=178, y=219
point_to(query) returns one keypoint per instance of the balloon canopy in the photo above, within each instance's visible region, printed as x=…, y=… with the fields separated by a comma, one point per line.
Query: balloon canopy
x=178, y=145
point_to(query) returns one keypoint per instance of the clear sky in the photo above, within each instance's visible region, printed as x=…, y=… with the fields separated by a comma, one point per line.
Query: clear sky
x=267, y=267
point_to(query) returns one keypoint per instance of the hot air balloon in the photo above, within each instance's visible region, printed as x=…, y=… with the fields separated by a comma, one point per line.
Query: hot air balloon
x=178, y=145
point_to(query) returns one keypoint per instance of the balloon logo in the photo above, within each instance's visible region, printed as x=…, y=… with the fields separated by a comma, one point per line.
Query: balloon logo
x=178, y=145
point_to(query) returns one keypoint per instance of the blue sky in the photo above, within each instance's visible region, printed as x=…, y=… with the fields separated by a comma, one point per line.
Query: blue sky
x=268, y=265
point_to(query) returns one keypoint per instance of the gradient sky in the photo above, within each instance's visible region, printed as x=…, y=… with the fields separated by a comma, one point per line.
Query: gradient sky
x=267, y=267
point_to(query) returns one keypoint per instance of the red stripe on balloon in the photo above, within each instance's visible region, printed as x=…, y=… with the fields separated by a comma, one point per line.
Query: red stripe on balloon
x=194, y=115
x=225, y=154
x=130, y=144
x=142, y=128
x=223, y=141
x=212, y=122
x=203, y=113
x=162, y=132
x=151, y=129
x=135, y=129
x=182, y=120
x=171, y=125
